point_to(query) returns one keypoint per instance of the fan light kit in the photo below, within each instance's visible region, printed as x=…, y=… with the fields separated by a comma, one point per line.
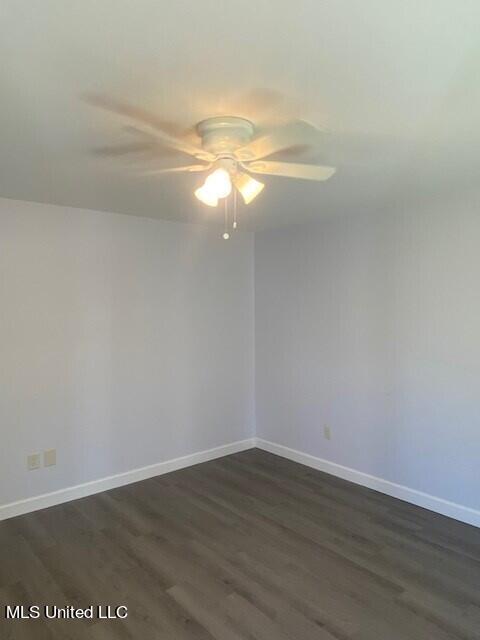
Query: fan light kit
x=230, y=151
x=223, y=137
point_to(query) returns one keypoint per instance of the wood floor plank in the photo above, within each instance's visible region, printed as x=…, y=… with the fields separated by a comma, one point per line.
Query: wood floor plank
x=250, y=546
x=207, y=612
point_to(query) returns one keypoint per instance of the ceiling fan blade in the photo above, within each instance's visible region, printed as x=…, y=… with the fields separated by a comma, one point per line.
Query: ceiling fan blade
x=132, y=112
x=291, y=170
x=188, y=169
x=148, y=124
x=124, y=149
x=148, y=148
x=289, y=135
x=248, y=187
x=157, y=148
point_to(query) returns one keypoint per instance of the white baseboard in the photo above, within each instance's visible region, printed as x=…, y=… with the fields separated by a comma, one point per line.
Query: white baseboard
x=103, y=484
x=439, y=505
x=433, y=503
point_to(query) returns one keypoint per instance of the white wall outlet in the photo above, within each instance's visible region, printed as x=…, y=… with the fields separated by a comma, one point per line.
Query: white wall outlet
x=50, y=458
x=33, y=461
x=327, y=433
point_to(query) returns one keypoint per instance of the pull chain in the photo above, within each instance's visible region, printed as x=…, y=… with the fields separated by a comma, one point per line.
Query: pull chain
x=226, y=235
x=234, y=208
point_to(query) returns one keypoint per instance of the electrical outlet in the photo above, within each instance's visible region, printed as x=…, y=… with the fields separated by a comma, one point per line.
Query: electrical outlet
x=33, y=461
x=327, y=433
x=50, y=458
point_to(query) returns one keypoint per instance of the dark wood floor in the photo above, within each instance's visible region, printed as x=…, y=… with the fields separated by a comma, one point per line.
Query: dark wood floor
x=250, y=546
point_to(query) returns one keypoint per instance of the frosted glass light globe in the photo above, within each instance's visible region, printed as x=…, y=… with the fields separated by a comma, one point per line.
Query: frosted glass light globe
x=218, y=183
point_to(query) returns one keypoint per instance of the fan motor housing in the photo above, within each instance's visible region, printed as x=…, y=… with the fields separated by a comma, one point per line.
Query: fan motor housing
x=222, y=135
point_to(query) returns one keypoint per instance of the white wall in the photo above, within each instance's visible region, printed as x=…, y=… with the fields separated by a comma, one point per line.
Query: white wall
x=126, y=341
x=123, y=342
x=371, y=325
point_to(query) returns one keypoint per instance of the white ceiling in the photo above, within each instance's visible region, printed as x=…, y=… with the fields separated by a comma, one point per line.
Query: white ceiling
x=397, y=82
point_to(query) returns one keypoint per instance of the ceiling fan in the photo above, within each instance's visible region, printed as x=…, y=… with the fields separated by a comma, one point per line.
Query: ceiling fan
x=230, y=151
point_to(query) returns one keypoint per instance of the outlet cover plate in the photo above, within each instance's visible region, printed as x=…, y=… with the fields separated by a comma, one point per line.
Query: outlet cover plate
x=33, y=461
x=50, y=458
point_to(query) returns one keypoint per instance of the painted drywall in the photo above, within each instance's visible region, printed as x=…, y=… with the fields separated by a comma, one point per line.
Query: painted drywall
x=371, y=325
x=124, y=342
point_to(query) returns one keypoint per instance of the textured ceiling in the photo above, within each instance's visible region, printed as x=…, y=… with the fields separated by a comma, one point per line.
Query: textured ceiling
x=396, y=82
